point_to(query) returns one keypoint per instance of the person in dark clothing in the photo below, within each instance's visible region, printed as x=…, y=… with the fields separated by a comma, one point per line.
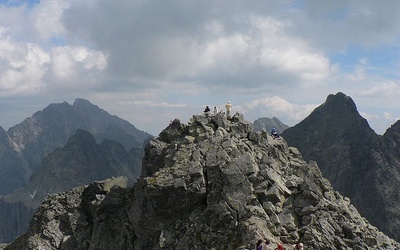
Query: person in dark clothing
x=259, y=245
x=274, y=133
x=207, y=111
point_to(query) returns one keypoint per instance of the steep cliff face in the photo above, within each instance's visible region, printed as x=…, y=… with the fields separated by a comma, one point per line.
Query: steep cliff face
x=14, y=171
x=359, y=163
x=210, y=184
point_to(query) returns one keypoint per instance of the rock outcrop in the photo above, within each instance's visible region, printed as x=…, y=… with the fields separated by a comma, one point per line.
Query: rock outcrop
x=359, y=163
x=87, y=217
x=210, y=184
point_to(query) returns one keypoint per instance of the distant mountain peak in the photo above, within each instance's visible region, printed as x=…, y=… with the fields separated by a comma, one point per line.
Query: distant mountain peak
x=80, y=101
x=339, y=102
x=338, y=95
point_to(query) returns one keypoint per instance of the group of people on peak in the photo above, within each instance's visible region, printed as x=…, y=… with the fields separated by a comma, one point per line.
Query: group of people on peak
x=228, y=108
x=265, y=245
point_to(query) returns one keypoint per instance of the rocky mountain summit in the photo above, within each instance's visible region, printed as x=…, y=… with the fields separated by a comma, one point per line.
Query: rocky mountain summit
x=212, y=183
x=359, y=163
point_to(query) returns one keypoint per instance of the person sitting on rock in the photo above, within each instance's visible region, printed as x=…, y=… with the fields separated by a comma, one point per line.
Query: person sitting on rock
x=274, y=133
x=215, y=110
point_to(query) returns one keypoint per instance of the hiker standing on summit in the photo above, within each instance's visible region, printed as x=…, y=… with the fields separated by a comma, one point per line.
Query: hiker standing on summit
x=228, y=107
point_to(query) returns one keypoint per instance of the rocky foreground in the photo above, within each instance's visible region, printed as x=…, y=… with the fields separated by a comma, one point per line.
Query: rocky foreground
x=213, y=183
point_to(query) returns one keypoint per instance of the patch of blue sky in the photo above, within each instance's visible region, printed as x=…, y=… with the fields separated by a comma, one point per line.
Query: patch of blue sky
x=58, y=41
x=16, y=3
x=384, y=60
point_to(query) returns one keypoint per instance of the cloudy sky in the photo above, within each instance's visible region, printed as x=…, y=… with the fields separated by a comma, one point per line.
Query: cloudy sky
x=149, y=62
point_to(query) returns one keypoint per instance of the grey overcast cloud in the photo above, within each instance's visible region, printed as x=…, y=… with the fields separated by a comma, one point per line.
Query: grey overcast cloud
x=149, y=62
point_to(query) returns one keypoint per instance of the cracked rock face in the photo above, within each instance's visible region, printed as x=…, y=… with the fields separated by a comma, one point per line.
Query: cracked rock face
x=211, y=184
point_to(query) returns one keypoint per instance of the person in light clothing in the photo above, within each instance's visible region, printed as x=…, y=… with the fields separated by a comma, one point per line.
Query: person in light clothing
x=228, y=108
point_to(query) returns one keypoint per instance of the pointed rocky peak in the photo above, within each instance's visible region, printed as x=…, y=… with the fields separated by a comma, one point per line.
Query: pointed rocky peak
x=338, y=138
x=356, y=160
x=82, y=102
x=338, y=104
x=340, y=99
x=82, y=105
x=337, y=118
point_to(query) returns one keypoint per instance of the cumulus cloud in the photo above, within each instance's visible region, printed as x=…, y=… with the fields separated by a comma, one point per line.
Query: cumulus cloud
x=47, y=18
x=66, y=59
x=42, y=66
x=389, y=88
x=279, y=107
x=208, y=47
x=23, y=66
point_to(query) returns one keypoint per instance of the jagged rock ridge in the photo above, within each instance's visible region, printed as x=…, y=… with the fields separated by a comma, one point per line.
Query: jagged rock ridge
x=210, y=184
x=360, y=164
